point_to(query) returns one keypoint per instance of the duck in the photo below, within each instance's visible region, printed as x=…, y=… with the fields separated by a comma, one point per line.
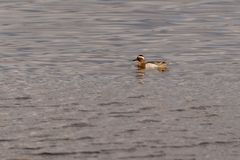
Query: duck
x=142, y=64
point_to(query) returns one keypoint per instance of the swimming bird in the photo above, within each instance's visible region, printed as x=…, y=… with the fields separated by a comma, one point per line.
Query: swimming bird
x=142, y=64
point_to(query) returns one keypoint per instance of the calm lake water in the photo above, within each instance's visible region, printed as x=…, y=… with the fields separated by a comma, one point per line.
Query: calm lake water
x=69, y=90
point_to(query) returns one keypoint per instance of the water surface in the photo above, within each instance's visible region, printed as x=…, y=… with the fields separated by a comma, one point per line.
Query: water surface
x=69, y=89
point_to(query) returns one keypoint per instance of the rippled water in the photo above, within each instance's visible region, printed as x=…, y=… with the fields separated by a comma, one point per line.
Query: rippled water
x=69, y=89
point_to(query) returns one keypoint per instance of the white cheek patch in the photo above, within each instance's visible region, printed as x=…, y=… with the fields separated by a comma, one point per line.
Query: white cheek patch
x=141, y=57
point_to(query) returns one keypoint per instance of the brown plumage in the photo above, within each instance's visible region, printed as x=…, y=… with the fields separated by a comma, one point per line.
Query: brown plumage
x=142, y=64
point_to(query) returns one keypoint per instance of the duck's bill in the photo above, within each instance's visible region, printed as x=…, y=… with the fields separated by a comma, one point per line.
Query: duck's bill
x=134, y=59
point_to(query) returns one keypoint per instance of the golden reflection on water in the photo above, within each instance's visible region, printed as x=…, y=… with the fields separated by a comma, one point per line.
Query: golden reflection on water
x=140, y=73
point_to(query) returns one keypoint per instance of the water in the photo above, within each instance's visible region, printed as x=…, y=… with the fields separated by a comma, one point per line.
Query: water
x=69, y=89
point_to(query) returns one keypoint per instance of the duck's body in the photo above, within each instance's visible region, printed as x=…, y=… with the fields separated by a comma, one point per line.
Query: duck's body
x=142, y=64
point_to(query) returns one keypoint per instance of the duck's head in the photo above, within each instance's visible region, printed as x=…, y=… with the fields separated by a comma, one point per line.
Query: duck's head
x=140, y=58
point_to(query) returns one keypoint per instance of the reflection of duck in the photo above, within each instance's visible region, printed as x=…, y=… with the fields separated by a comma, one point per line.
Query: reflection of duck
x=142, y=64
